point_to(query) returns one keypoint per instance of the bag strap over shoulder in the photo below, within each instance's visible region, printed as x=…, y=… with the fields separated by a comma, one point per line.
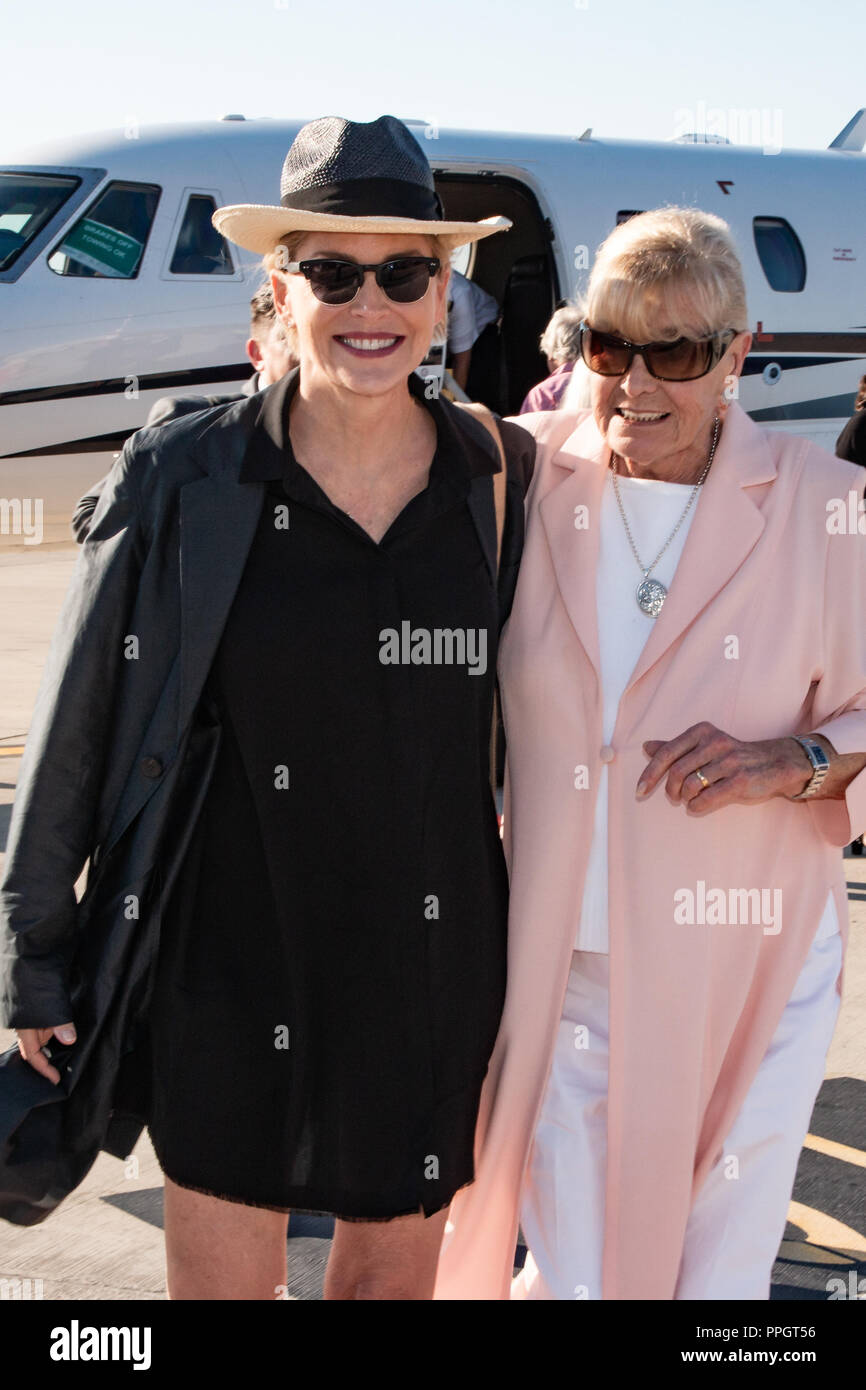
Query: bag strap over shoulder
x=500, y=480
x=500, y=483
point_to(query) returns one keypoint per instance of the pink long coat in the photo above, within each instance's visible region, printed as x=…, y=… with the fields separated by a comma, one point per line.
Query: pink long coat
x=763, y=634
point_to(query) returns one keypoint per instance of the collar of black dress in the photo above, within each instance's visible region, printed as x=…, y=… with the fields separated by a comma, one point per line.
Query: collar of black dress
x=269, y=452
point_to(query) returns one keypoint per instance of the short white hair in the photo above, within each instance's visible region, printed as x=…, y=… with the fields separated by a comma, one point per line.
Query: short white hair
x=665, y=274
x=560, y=340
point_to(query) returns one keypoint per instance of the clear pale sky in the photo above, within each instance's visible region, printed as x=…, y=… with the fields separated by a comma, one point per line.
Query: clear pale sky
x=628, y=68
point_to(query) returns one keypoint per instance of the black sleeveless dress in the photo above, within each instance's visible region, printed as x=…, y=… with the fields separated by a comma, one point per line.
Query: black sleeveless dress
x=332, y=965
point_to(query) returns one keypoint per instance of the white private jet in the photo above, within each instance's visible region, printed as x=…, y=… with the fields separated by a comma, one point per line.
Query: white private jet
x=115, y=288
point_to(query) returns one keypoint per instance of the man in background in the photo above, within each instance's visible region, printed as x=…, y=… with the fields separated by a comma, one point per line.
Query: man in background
x=560, y=343
x=473, y=319
x=271, y=357
x=851, y=443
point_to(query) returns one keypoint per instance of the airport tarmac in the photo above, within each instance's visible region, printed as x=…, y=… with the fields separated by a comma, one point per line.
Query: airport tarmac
x=105, y=1241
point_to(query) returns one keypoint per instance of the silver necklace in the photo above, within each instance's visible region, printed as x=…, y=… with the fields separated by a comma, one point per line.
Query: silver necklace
x=651, y=593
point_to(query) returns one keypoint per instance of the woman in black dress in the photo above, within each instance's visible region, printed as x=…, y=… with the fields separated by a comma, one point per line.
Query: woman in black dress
x=331, y=966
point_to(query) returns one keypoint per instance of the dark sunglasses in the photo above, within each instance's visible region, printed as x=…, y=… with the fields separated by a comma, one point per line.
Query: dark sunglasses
x=685, y=359
x=405, y=279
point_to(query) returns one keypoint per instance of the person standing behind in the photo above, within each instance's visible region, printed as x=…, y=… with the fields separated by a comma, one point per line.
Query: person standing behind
x=851, y=443
x=560, y=343
x=267, y=348
x=472, y=316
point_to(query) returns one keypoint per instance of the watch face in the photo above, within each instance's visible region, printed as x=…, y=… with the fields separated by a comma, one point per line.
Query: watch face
x=820, y=767
x=818, y=756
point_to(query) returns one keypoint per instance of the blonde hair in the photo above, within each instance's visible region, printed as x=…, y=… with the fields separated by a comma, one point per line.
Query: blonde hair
x=287, y=249
x=667, y=273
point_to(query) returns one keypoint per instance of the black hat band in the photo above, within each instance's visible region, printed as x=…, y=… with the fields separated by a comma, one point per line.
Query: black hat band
x=369, y=198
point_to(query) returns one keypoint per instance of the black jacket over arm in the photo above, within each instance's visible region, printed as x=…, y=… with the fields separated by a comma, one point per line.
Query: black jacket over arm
x=117, y=763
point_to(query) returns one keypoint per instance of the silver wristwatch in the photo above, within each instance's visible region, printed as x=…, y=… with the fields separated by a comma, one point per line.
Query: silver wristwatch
x=820, y=766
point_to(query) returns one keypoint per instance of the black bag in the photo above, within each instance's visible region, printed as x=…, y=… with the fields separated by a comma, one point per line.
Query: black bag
x=50, y=1136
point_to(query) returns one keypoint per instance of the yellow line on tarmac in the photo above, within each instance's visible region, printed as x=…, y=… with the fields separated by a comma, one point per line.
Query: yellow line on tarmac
x=833, y=1236
x=826, y=1231
x=834, y=1150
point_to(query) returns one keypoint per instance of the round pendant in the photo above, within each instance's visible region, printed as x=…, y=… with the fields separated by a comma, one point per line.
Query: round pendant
x=650, y=595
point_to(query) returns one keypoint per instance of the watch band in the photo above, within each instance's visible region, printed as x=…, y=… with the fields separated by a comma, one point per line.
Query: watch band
x=820, y=766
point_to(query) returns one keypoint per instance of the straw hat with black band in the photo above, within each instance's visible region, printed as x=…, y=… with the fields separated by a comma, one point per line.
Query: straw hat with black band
x=351, y=176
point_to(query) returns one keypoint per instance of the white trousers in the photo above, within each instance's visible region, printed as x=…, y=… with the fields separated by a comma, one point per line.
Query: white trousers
x=735, y=1226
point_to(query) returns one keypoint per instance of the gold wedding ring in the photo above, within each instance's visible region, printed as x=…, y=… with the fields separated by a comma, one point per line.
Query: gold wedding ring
x=704, y=781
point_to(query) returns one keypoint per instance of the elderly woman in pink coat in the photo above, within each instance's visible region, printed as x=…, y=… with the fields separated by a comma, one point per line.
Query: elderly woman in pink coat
x=683, y=682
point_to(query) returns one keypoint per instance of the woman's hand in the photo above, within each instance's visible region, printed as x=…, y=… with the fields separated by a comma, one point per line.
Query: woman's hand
x=32, y=1040
x=737, y=772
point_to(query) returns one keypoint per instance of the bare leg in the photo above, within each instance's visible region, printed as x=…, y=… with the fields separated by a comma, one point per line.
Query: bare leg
x=390, y=1260
x=216, y=1249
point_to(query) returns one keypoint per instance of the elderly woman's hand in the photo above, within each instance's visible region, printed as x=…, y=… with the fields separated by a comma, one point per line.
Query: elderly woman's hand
x=736, y=772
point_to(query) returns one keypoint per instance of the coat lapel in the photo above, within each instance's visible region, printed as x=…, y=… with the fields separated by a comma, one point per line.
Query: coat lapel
x=218, y=519
x=570, y=514
x=481, y=509
x=484, y=461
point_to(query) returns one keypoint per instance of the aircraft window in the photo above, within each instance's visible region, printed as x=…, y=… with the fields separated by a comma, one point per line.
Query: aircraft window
x=109, y=240
x=624, y=216
x=200, y=249
x=27, y=202
x=780, y=253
